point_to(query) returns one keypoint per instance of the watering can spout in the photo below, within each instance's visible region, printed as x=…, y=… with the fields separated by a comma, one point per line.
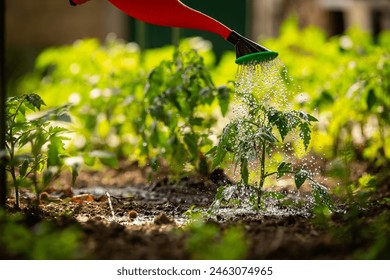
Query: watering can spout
x=248, y=51
x=174, y=13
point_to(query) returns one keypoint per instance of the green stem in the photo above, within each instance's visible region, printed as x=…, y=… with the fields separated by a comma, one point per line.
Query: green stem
x=262, y=173
x=16, y=186
x=12, y=154
x=13, y=171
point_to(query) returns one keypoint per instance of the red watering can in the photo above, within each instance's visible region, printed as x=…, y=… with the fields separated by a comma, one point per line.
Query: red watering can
x=174, y=13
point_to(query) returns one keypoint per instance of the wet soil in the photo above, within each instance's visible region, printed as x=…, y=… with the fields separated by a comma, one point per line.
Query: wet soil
x=146, y=218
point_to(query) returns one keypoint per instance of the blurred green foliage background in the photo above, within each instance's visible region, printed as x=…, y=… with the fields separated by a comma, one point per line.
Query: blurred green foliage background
x=344, y=81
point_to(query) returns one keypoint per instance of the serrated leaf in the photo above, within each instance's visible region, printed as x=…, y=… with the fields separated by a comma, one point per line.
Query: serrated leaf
x=56, y=148
x=283, y=168
x=35, y=100
x=244, y=171
x=280, y=120
x=321, y=195
x=300, y=177
x=305, y=134
x=219, y=156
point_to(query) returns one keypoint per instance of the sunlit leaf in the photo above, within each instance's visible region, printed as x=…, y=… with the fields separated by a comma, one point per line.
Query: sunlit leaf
x=35, y=100
x=56, y=149
x=305, y=134
x=105, y=157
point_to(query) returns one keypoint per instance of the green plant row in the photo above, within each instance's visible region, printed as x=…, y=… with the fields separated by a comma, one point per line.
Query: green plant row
x=151, y=107
x=167, y=107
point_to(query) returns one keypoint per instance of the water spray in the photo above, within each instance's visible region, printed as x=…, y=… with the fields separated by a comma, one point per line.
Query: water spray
x=173, y=13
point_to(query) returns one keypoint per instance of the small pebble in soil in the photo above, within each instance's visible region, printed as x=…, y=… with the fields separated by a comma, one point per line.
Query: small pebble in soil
x=132, y=214
x=163, y=219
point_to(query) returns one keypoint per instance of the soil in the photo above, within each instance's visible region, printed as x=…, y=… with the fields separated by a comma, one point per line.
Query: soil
x=148, y=220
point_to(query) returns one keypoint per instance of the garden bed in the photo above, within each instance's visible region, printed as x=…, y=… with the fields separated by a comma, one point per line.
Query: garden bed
x=149, y=221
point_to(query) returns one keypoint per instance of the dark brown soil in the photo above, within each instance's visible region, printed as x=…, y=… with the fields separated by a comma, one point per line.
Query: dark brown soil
x=149, y=221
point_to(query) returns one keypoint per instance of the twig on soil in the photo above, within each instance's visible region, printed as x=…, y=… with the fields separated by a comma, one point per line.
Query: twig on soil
x=110, y=204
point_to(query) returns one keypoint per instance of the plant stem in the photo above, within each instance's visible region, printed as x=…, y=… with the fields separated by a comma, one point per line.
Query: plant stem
x=16, y=186
x=262, y=173
x=13, y=171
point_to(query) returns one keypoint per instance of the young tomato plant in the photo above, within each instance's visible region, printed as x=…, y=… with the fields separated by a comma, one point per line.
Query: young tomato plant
x=176, y=117
x=251, y=138
x=35, y=148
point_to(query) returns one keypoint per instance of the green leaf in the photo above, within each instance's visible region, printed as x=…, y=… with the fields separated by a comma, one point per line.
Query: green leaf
x=212, y=151
x=57, y=130
x=283, y=126
x=223, y=99
x=56, y=149
x=105, y=157
x=244, y=171
x=305, y=134
x=219, y=156
x=155, y=163
x=179, y=154
x=154, y=134
x=300, y=177
x=191, y=141
x=321, y=195
x=283, y=168
x=267, y=136
x=47, y=177
x=23, y=168
x=325, y=99
x=197, y=121
x=312, y=118
x=89, y=160
x=372, y=99
x=35, y=100
x=57, y=114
